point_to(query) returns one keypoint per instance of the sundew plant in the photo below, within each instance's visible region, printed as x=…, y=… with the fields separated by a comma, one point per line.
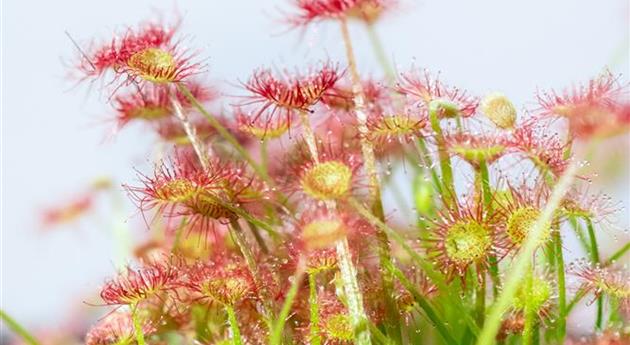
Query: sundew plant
x=264, y=210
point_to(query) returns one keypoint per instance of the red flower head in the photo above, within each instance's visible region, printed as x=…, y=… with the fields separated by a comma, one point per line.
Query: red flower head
x=225, y=280
x=341, y=97
x=477, y=148
x=133, y=286
x=463, y=236
x=203, y=197
x=148, y=53
x=262, y=126
x=599, y=108
x=78, y=206
x=309, y=11
x=334, y=176
x=518, y=209
x=116, y=328
x=422, y=88
x=597, y=207
x=289, y=93
x=546, y=151
x=153, y=102
x=68, y=212
x=614, y=282
x=170, y=187
x=393, y=126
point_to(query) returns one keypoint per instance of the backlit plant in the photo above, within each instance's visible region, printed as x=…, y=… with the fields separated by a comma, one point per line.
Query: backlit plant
x=267, y=223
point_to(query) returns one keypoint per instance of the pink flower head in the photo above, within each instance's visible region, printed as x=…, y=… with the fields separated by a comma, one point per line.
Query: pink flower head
x=310, y=11
x=517, y=209
x=597, y=108
x=422, y=88
x=545, y=150
x=463, y=236
x=153, y=102
x=475, y=148
x=614, y=282
x=334, y=176
x=288, y=93
x=147, y=53
x=133, y=286
x=226, y=280
x=185, y=189
x=262, y=126
x=117, y=328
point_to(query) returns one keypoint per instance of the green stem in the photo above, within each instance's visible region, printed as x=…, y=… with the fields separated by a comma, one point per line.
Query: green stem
x=481, y=299
x=485, y=185
x=258, y=237
x=521, y=262
x=235, y=333
x=276, y=333
x=381, y=56
x=224, y=133
x=427, y=267
x=241, y=242
x=18, y=329
x=530, y=312
x=314, y=306
x=137, y=326
x=430, y=312
x=369, y=162
x=618, y=254
x=358, y=318
x=486, y=192
x=594, y=251
x=264, y=156
x=435, y=107
x=562, y=292
x=191, y=133
x=580, y=233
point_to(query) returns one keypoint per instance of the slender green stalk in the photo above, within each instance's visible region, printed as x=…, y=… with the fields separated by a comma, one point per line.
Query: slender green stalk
x=224, y=133
x=530, y=312
x=579, y=232
x=594, y=251
x=381, y=56
x=278, y=327
x=137, y=326
x=480, y=299
x=486, y=192
x=309, y=136
x=238, y=236
x=358, y=317
x=485, y=185
x=315, y=338
x=264, y=156
x=344, y=257
x=191, y=133
x=435, y=277
x=430, y=312
x=178, y=233
x=562, y=291
x=369, y=161
x=18, y=329
x=521, y=262
x=235, y=333
x=435, y=107
x=367, y=149
x=618, y=254
x=258, y=237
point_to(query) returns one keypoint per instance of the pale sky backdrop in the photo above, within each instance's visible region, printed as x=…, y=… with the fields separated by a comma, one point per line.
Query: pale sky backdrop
x=52, y=134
